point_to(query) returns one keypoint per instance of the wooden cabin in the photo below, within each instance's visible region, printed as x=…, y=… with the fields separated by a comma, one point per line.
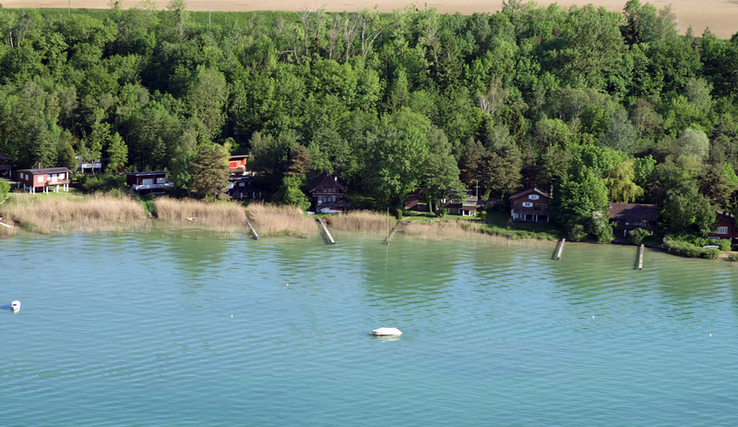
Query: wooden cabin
x=464, y=207
x=327, y=193
x=6, y=165
x=724, y=228
x=237, y=164
x=34, y=180
x=530, y=205
x=245, y=187
x=629, y=216
x=89, y=166
x=148, y=182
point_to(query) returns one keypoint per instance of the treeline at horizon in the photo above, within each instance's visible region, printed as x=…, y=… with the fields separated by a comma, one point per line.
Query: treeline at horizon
x=598, y=106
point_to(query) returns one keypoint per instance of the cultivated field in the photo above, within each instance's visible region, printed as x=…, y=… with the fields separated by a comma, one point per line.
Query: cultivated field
x=720, y=15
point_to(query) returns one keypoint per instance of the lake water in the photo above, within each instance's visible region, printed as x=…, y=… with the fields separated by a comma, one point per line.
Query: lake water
x=167, y=329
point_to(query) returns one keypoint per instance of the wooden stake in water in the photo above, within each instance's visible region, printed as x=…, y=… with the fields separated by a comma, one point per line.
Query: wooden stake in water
x=561, y=249
x=328, y=233
x=256, y=235
x=640, y=258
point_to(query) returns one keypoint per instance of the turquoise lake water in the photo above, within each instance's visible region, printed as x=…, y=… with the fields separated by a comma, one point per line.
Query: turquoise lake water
x=157, y=329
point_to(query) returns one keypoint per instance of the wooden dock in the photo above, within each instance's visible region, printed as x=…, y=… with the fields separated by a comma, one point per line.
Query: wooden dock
x=392, y=234
x=327, y=233
x=561, y=250
x=640, y=258
x=256, y=235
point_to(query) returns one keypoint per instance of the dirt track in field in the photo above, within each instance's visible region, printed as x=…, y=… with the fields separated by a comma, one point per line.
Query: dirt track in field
x=721, y=16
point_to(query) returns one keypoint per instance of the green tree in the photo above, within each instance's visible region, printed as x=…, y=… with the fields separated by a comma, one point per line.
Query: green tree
x=117, y=154
x=210, y=171
x=620, y=183
x=290, y=193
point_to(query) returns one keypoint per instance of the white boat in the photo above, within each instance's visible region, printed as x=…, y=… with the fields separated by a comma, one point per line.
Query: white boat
x=15, y=305
x=386, y=332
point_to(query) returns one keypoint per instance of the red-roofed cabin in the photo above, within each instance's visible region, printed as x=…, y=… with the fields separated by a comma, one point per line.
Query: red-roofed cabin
x=237, y=164
x=148, y=182
x=34, y=179
x=629, y=216
x=724, y=228
x=530, y=205
x=327, y=193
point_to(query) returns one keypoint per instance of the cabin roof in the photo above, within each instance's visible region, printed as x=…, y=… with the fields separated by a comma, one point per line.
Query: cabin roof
x=238, y=157
x=725, y=215
x=146, y=173
x=44, y=170
x=535, y=189
x=4, y=157
x=633, y=211
x=323, y=178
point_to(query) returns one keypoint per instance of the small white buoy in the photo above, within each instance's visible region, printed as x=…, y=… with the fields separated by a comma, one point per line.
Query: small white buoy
x=15, y=305
x=386, y=332
x=593, y=317
x=231, y=316
x=710, y=334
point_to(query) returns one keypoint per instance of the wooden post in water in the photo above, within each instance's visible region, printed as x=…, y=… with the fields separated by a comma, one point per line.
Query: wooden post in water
x=256, y=235
x=640, y=258
x=561, y=249
x=327, y=233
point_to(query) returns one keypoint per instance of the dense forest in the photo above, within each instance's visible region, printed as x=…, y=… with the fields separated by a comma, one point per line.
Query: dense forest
x=597, y=106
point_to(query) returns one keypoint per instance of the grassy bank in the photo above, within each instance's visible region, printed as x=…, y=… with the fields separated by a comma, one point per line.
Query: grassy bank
x=273, y=220
x=221, y=216
x=99, y=213
x=361, y=221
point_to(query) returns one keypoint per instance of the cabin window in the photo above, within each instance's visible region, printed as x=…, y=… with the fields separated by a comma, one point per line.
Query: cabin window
x=527, y=204
x=40, y=179
x=161, y=180
x=533, y=197
x=723, y=229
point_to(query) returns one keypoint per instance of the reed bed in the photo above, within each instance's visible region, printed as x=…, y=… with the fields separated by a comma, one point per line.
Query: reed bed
x=462, y=231
x=361, y=221
x=222, y=216
x=99, y=213
x=273, y=220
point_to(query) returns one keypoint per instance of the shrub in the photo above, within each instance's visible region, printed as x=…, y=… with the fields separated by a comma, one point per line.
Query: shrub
x=4, y=189
x=724, y=244
x=733, y=257
x=637, y=235
x=577, y=233
x=688, y=249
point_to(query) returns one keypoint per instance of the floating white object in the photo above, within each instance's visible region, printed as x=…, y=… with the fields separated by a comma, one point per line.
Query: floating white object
x=386, y=332
x=15, y=305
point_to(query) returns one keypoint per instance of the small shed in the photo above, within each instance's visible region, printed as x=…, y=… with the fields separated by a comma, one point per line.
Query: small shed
x=148, y=182
x=34, y=180
x=6, y=165
x=629, y=216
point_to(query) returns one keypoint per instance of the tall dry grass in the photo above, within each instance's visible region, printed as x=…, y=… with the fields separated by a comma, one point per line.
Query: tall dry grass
x=99, y=213
x=273, y=220
x=361, y=221
x=225, y=217
x=462, y=231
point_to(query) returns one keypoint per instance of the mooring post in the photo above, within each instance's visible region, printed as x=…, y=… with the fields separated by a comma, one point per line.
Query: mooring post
x=561, y=249
x=256, y=235
x=328, y=233
x=640, y=258
x=392, y=234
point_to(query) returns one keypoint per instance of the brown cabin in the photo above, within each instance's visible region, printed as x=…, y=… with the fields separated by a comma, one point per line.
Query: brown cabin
x=530, y=205
x=33, y=180
x=6, y=165
x=327, y=193
x=629, y=216
x=237, y=164
x=245, y=187
x=148, y=182
x=464, y=207
x=724, y=228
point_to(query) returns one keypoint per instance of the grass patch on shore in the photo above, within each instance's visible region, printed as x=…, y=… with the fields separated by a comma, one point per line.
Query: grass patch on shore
x=274, y=220
x=222, y=216
x=98, y=213
x=461, y=231
x=361, y=221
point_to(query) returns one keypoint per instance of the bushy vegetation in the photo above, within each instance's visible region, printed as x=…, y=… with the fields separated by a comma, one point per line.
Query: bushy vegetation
x=687, y=248
x=596, y=105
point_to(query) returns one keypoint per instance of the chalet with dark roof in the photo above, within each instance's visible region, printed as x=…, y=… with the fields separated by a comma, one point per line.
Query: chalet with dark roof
x=327, y=193
x=245, y=187
x=466, y=206
x=148, y=182
x=724, y=228
x=629, y=216
x=6, y=165
x=530, y=205
x=35, y=180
